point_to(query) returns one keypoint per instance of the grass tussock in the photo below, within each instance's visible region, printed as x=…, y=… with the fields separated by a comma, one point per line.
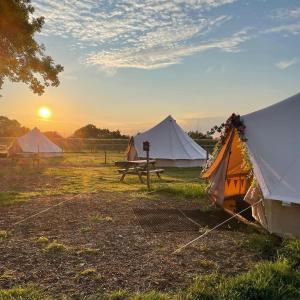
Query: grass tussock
x=3, y=234
x=88, y=251
x=55, y=248
x=99, y=219
x=7, y=275
x=89, y=274
x=42, y=240
x=151, y=295
x=85, y=229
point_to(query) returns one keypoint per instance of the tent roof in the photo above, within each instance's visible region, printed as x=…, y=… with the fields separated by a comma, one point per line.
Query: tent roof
x=169, y=141
x=34, y=141
x=273, y=143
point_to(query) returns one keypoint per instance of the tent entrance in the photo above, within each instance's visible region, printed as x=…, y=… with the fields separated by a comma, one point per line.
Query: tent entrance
x=229, y=177
x=237, y=180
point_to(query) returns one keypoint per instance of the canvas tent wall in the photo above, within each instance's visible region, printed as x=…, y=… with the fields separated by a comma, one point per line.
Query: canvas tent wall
x=169, y=145
x=34, y=142
x=273, y=146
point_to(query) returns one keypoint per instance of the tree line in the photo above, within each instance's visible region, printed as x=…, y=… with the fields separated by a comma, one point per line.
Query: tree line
x=12, y=128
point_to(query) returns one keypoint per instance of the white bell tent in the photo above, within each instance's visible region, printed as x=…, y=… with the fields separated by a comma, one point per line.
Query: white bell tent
x=170, y=146
x=272, y=142
x=34, y=142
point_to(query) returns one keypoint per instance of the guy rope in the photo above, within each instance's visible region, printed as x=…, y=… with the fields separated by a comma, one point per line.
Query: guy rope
x=214, y=228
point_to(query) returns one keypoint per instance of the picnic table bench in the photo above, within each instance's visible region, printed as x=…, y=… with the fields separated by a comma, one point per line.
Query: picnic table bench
x=3, y=150
x=31, y=156
x=137, y=167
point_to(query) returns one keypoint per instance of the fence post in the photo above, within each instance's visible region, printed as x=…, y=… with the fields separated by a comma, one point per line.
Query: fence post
x=146, y=147
x=105, y=156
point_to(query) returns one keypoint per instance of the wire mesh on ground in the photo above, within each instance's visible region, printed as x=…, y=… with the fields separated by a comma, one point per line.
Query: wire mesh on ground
x=176, y=220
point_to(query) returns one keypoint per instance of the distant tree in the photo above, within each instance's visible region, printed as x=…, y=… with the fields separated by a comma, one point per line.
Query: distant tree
x=52, y=135
x=198, y=135
x=11, y=128
x=22, y=59
x=92, y=132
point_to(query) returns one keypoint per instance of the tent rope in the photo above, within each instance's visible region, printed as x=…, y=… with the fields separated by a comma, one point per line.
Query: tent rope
x=214, y=228
x=42, y=211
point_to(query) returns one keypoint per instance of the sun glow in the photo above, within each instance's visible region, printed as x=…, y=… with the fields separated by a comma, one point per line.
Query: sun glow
x=44, y=112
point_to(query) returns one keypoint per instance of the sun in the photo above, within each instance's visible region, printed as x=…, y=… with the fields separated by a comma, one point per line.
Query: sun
x=44, y=112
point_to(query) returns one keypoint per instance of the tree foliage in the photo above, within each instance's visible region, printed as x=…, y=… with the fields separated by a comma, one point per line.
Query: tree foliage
x=22, y=59
x=52, y=135
x=91, y=131
x=198, y=135
x=9, y=128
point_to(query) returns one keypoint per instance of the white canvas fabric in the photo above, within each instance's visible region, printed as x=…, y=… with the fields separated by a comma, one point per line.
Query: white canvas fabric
x=273, y=144
x=36, y=142
x=169, y=142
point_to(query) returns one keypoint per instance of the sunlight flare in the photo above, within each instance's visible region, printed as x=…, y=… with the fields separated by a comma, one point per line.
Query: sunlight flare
x=44, y=112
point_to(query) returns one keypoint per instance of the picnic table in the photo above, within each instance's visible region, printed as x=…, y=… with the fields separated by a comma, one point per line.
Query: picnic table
x=137, y=167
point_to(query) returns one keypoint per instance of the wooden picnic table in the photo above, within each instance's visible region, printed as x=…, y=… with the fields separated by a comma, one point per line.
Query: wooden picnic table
x=137, y=167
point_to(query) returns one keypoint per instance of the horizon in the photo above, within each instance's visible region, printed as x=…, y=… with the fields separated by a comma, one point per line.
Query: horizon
x=128, y=65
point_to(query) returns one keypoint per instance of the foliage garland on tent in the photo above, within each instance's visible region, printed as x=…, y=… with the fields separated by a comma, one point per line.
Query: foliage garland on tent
x=233, y=122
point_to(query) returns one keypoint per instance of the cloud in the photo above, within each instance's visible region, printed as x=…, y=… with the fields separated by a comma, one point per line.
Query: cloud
x=163, y=56
x=290, y=15
x=147, y=34
x=287, y=29
x=286, y=13
x=284, y=64
x=153, y=34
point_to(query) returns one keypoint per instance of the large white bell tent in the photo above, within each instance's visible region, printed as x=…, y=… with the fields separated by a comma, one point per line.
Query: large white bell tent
x=170, y=146
x=34, y=142
x=259, y=164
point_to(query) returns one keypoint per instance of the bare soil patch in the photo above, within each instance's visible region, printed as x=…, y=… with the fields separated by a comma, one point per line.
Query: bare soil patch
x=104, y=247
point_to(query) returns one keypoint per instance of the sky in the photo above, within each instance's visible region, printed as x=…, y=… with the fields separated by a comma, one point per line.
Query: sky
x=129, y=64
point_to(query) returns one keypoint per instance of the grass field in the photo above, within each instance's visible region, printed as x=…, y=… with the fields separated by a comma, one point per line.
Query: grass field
x=91, y=241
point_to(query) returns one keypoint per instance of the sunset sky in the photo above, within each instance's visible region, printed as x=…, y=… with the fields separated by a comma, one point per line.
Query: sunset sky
x=129, y=64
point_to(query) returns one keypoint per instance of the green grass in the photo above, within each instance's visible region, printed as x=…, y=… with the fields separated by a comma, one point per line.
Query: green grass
x=29, y=292
x=188, y=190
x=13, y=197
x=278, y=279
x=86, y=173
x=290, y=250
x=265, y=244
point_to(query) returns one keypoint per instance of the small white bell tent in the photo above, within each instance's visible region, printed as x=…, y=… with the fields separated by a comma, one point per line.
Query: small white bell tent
x=170, y=146
x=259, y=164
x=34, y=142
